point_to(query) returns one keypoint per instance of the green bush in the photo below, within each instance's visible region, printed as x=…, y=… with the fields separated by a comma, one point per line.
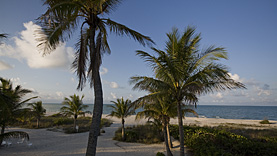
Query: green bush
x=147, y=134
x=211, y=141
x=265, y=121
x=160, y=154
x=62, y=121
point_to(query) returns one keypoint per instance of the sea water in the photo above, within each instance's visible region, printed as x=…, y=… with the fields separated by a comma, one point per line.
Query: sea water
x=206, y=111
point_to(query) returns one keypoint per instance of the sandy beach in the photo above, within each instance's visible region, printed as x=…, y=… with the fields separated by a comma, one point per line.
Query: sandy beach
x=47, y=143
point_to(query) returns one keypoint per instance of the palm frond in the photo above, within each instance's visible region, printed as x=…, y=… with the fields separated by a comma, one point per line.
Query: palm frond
x=121, y=30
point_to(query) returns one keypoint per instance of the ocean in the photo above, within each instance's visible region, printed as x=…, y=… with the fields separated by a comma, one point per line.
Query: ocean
x=204, y=111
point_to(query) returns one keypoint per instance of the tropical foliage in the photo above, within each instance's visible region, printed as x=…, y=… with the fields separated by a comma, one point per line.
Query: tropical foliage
x=217, y=141
x=37, y=111
x=122, y=109
x=161, y=109
x=11, y=104
x=184, y=72
x=74, y=106
x=58, y=23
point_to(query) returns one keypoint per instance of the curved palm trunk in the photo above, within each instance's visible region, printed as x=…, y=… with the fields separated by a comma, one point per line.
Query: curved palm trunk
x=168, y=136
x=166, y=141
x=96, y=117
x=181, y=129
x=123, y=130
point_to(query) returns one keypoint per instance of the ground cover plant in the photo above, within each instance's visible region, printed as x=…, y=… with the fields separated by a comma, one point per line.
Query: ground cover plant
x=58, y=122
x=228, y=141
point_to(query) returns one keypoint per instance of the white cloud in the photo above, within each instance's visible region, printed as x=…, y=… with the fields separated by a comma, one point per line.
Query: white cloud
x=26, y=49
x=104, y=71
x=4, y=65
x=113, y=85
x=217, y=96
x=261, y=91
x=72, y=79
x=60, y=94
x=113, y=95
x=235, y=77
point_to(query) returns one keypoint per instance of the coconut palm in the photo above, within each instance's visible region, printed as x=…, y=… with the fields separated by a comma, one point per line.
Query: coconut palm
x=160, y=109
x=74, y=107
x=11, y=103
x=122, y=109
x=58, y=23
x=184, y=72
x=37, y=110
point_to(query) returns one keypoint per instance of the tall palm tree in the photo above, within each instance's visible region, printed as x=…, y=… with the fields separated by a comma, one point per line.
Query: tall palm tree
x=58, y=23
x=11, y=103
x=184, y=72
x=122, y=109
x=37, y=110
x=74, y=107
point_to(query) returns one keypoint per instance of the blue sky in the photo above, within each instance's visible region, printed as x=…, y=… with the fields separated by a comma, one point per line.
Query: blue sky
x=247, y=29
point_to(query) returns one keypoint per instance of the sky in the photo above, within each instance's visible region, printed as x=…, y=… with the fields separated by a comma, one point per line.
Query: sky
x=247, y=29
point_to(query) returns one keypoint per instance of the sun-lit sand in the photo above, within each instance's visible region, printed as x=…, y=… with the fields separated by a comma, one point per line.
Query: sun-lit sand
x=48, y=143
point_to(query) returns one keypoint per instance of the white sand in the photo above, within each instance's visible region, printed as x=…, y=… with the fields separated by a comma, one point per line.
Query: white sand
x=48, y=143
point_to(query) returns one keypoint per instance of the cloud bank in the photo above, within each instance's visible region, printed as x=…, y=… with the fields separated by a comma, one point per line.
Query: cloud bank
x=25, y=49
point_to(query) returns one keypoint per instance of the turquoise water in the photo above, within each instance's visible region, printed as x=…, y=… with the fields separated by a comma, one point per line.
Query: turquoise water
x=209, y=111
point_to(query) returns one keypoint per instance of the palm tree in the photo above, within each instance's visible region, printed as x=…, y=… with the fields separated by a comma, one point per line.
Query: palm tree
x=184, y=72
x=160, y=109
x=11, y=103
x=58, y=23
x=37, y=110
x=74, y=107
x=121, y=110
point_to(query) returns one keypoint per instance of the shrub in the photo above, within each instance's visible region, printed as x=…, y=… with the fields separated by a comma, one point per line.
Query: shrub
x=62, y=121
x=211, y=141
x=265, y=121
x=147, y=134
x=160, y=154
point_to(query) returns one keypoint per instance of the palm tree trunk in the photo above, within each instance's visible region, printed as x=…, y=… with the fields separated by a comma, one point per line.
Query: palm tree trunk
x=123, y=130
x=2, y=132
x=166, y=142
x=3, y=128
x=37, y=123
x=168, y=136
x=96, y=117
x=181, y=129
x=75, y=123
